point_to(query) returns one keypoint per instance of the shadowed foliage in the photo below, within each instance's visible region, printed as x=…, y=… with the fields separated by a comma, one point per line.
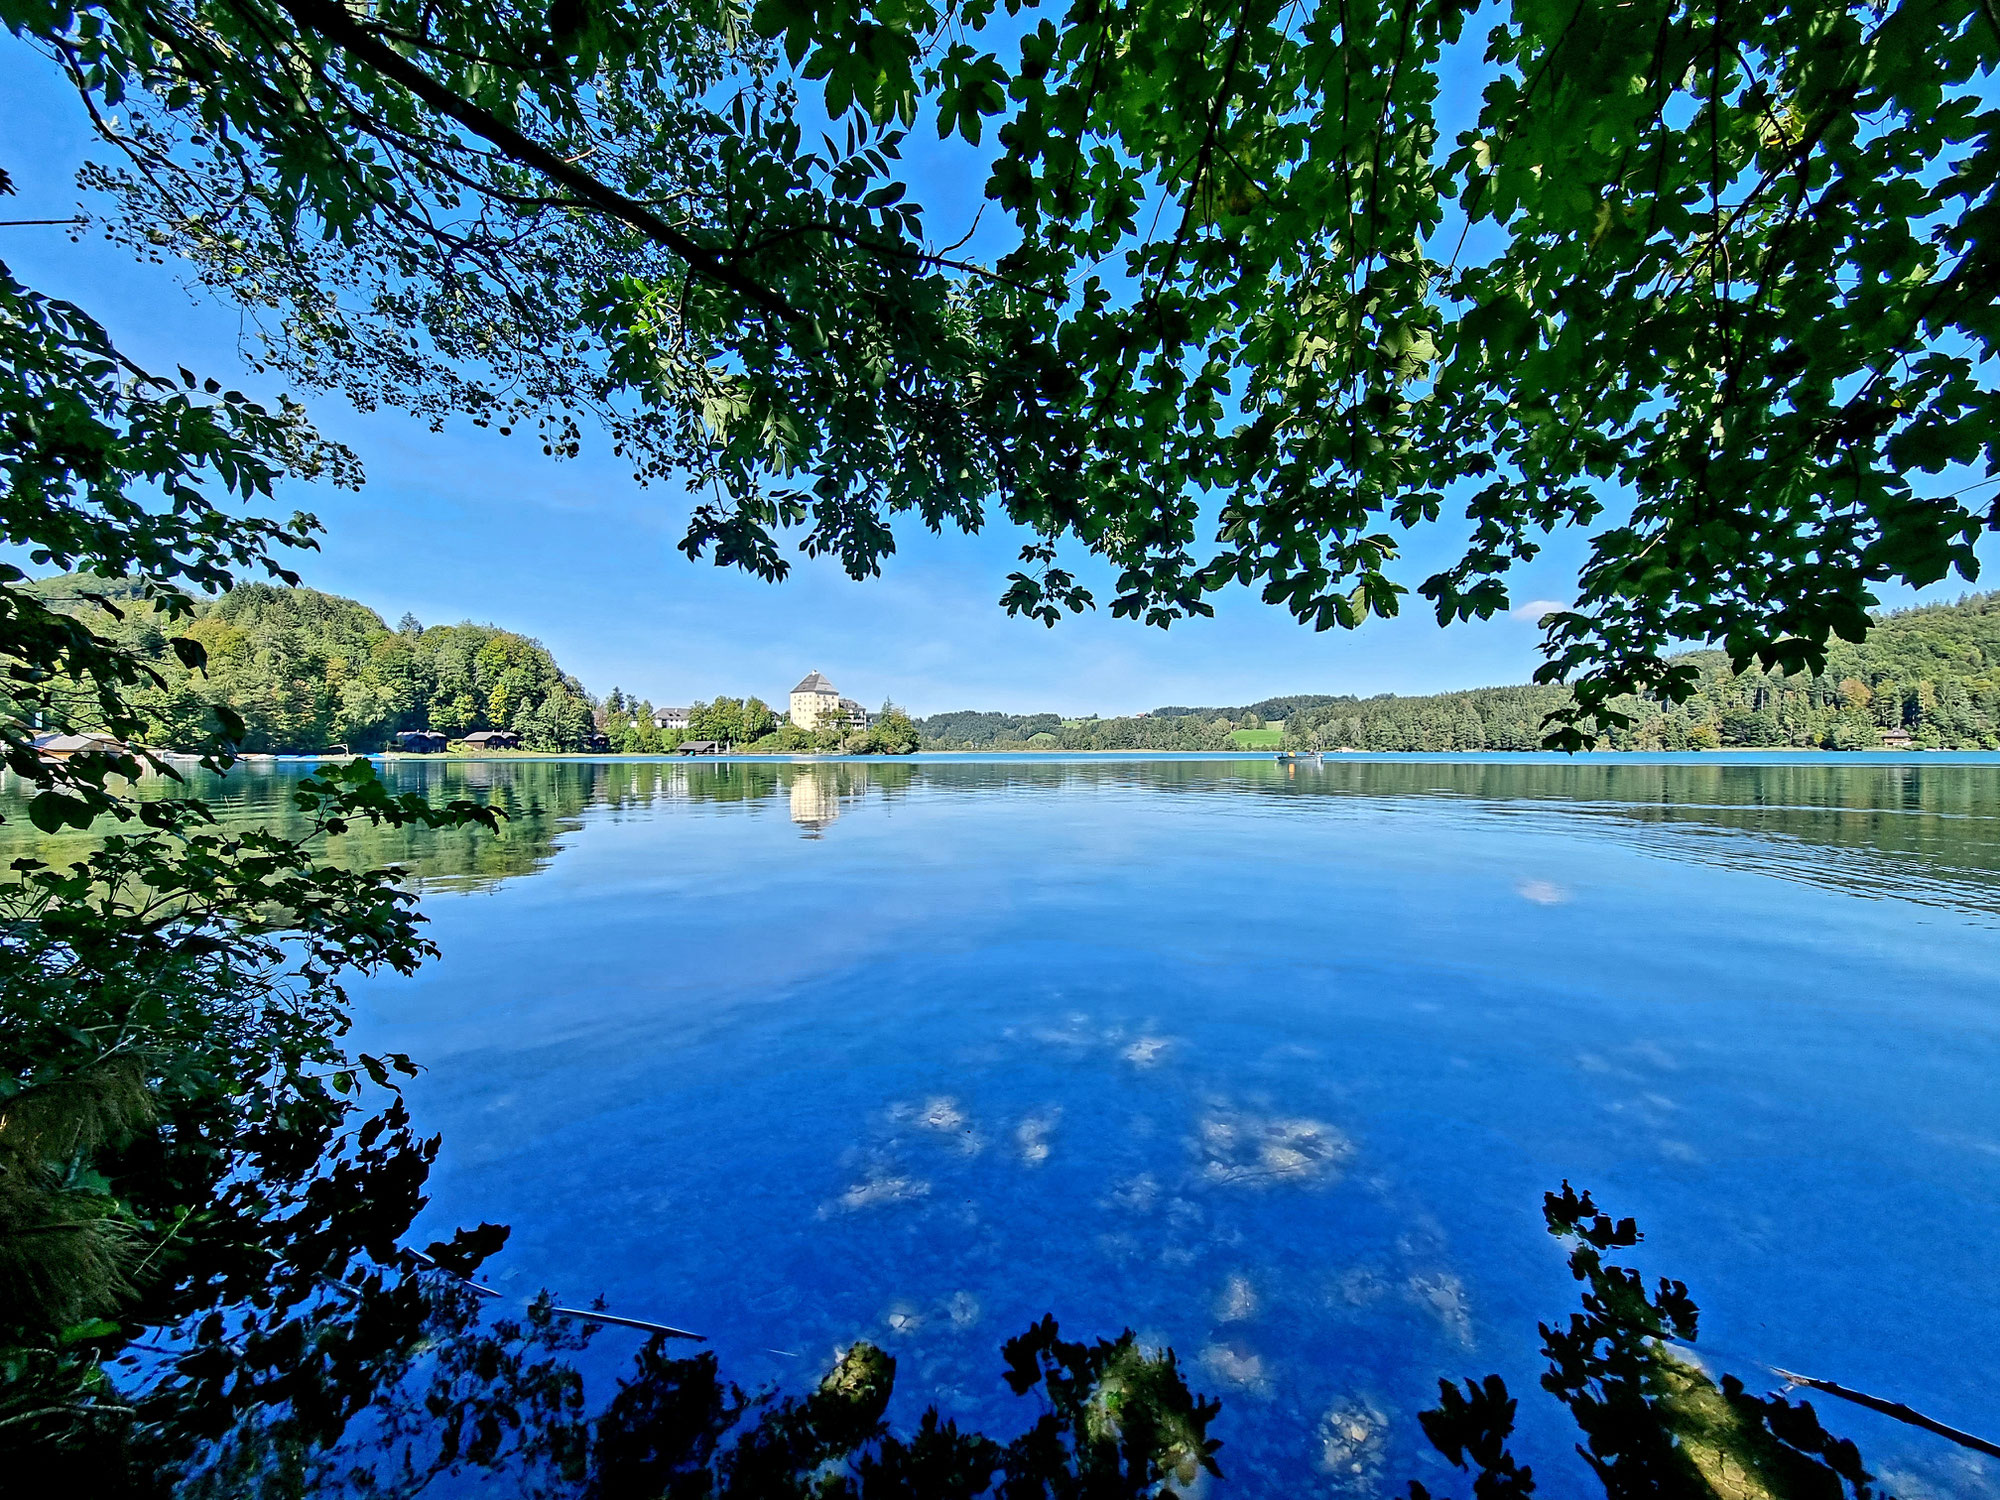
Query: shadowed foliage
x=1654, y=1423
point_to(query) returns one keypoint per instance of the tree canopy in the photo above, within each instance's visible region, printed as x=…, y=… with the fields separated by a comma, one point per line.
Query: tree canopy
x=1266, y=289
x=1719, y=276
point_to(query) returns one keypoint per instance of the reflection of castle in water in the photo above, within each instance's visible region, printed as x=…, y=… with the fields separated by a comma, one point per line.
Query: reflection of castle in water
x=815, y=800
x=818, y=793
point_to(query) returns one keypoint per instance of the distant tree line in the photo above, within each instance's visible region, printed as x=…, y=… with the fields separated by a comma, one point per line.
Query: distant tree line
x=306, y=671
x=1932, y=673
x=1263, y=710
x=890, y=732
x=631, y=724
x=969, y=730
x=750, y=726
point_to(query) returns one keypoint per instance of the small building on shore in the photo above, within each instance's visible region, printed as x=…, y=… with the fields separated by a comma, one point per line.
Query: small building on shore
x=493, y=739
x=701, y=747
x=419, y=742
x=63, y=746
x=1896, y=739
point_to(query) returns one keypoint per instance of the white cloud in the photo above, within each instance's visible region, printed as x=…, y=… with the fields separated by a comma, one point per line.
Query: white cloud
x=1534, y=609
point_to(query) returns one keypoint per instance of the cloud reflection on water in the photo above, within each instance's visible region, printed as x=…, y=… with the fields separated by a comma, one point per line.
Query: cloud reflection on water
x=1032, y=1134
x=1338, y=970
x=1238, y=1149
x=1354, y=1445
x=877, y=1190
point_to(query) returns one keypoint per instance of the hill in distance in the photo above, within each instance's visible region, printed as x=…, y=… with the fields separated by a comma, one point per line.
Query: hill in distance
x=1932, y=673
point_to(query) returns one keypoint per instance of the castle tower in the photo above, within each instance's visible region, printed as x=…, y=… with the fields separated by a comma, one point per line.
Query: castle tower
x=813, y=700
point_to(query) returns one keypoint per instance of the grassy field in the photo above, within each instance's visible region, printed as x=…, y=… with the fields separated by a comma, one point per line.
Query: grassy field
x=1259, y=739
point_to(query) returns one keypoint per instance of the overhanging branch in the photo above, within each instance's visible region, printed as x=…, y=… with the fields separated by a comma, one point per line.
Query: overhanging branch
x=333, y=22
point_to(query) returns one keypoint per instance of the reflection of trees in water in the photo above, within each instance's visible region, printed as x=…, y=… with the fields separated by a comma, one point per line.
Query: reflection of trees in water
x=544, y=800
x=1929, y=830
x=539, y=808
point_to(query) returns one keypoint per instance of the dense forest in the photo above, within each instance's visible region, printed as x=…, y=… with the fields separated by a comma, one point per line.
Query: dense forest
x=306, y=671
x=1264, y=710
x=969, y=730
x=1932, y=673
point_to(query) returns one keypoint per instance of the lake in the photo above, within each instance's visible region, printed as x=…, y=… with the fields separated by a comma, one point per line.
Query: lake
x=1270, y=1063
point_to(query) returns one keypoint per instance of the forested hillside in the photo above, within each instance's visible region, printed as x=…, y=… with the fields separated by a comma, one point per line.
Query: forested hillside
x=1933, y=673
x=968, y=730
x=307, y=670
x=1264, y=710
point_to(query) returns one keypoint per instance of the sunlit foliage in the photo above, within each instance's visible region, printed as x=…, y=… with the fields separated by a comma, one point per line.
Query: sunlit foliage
x=1261, y=293
x=304, y=671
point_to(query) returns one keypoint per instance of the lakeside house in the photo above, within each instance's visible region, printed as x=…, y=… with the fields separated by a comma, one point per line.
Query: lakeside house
x=1896, y=739
x=700, y=747
x=493, y=739
x=63, y=746
x=671, y=718
x=418, y=742
x=816, y=704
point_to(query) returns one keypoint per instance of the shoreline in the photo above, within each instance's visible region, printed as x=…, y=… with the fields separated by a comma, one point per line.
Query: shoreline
x=1553, y=757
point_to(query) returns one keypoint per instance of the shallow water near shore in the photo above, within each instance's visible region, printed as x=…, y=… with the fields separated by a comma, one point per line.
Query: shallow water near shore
x=1271, y=1063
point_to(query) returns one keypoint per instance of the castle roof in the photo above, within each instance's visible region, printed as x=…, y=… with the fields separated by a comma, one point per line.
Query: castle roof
x=815, y=683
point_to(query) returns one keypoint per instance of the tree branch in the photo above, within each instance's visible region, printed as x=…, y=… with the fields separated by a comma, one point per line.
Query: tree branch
x=1889, y=1408
x=333, y=22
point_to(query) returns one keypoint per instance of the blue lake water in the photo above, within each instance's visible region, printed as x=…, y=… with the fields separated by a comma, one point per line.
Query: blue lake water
x=1270, y=1063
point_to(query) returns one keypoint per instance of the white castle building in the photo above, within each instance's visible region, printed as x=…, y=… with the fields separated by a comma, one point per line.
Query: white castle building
x=817, y=704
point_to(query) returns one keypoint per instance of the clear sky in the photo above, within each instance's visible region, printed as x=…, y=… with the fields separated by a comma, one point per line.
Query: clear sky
x=468, y=525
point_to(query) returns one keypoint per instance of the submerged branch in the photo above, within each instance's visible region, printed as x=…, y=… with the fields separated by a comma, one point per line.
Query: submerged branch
x=1889, y=1408
x=569, y=1312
